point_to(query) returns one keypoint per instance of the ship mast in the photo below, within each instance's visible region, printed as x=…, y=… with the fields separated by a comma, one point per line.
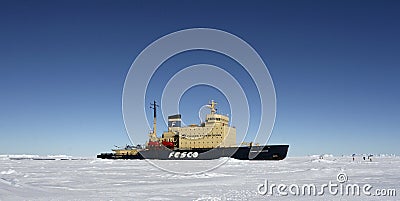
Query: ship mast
x=212, y=106
x=153, y=136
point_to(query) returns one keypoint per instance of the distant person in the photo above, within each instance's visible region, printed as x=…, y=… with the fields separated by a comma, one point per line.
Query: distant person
x=363, y=157
x=370, y=157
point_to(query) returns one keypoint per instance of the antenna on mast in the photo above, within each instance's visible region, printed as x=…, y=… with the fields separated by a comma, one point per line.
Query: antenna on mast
x=212, y=106
x=154, y=134
x=154, y=107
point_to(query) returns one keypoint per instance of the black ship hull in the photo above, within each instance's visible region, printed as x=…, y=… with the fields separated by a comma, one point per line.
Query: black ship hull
x=269, y=152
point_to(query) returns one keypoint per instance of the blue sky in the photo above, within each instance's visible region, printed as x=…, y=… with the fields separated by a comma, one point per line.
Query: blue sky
x=335, y=66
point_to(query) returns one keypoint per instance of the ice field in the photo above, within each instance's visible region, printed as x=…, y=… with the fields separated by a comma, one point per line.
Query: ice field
x=22, y=178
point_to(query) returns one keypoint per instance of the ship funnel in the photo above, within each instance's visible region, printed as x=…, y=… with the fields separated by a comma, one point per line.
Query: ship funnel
x=174, y=120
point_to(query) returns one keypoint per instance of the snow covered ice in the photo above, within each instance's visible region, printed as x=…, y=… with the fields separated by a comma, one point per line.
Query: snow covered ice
x=95, y=179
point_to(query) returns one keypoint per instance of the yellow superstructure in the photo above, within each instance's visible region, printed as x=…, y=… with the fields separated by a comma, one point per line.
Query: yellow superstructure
x=214, y=132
